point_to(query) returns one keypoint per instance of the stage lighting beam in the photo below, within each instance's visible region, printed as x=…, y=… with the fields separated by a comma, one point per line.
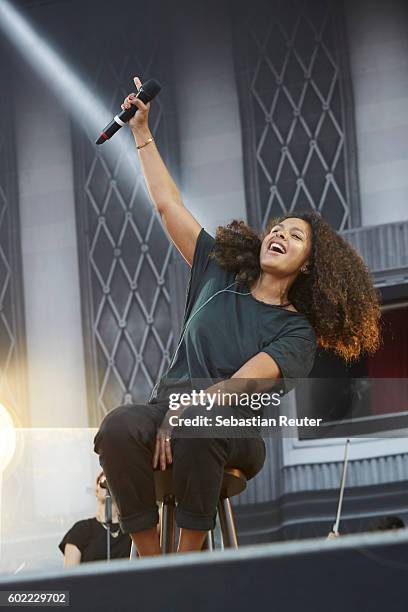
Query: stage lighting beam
x=85, y=107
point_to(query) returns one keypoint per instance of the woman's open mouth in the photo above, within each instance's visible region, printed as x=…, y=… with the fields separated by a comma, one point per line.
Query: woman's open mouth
x=276, y=248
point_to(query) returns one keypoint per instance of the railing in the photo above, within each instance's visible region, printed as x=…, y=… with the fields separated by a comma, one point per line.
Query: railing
x=384, y=249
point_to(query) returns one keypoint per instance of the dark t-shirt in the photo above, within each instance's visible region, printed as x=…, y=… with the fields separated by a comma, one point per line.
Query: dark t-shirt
x=231, y=329
x=89, y=536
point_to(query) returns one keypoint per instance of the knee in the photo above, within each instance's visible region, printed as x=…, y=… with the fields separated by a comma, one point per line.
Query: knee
x=199, y=450
x=123, y=423
x=111, y=428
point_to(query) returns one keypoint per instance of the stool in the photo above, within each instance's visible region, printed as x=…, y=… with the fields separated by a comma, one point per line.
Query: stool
x=234, y=482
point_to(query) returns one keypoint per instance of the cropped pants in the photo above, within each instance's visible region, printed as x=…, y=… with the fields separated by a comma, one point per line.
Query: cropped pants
x=125, y=443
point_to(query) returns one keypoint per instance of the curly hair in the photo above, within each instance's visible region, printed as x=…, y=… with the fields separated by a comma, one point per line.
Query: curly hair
x=337, y=294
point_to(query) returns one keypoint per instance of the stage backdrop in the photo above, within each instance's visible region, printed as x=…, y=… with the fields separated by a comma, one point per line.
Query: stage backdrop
x=293, y=78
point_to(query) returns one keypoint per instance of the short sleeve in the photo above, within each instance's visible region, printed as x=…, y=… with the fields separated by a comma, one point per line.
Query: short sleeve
x=204, y=246
x=79, y=535
x=294, y=356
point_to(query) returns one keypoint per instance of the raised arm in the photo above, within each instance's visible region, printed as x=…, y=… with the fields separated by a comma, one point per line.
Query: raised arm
x=180, y=224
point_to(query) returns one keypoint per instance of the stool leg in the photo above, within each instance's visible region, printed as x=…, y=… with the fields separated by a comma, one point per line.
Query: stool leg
x=208, y=543
x=227, y=524
x=133, y=552
x=167, y=525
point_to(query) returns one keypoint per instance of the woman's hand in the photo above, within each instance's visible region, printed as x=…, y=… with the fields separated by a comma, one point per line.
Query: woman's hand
x=139, y=122
x=162, y=452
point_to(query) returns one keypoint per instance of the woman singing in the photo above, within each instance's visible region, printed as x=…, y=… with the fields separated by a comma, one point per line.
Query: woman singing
x=257, y=307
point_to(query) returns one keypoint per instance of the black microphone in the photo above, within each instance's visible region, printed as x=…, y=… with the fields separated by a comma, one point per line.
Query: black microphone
x=147, y=92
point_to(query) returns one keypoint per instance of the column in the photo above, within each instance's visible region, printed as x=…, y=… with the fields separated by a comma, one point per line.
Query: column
x=378, y=43
x=56, y=374
x=208, y=115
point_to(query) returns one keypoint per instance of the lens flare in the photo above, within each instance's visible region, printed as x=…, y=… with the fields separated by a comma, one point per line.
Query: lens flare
x=7, y=438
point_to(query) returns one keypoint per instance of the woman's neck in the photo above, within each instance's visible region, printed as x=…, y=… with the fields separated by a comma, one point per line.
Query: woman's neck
x=271, y=289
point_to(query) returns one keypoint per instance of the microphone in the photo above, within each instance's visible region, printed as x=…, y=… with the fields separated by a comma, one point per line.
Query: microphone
x=146, y=93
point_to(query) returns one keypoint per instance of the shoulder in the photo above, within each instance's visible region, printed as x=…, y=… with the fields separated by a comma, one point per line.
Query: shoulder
x=299, y=325
x=78, y=534
x=89, y=522
x=293, y=349
x=86, y=526
x=83, y=523
x=204, y=267
x=205, y=237
x=204, y=245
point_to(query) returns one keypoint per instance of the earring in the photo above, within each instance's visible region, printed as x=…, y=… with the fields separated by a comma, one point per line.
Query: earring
x=304, y=269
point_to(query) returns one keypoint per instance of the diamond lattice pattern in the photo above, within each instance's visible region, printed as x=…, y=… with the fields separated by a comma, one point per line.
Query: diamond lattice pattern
x=11, y=374
x=296, y=100
x=128, y=252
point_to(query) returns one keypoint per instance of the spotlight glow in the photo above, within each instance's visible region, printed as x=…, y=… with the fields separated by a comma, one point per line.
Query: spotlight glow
x=63, y=81
x=7, y=439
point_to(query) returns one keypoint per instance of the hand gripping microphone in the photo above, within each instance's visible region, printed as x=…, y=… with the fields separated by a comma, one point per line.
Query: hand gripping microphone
x=147, y=92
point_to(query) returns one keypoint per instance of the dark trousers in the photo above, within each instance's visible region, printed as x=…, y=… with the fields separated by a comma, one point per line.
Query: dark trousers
x=125, y=443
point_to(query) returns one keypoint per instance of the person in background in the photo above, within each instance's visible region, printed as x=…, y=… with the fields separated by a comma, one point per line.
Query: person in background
x=86, y=540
